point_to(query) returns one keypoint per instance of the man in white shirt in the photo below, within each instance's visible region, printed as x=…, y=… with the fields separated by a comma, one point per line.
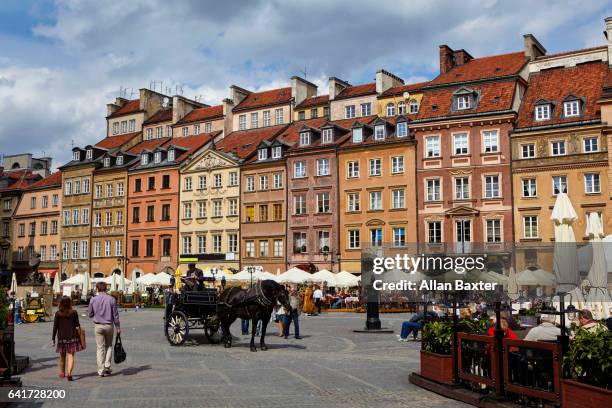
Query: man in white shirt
x=318, y=299
x=546, y=330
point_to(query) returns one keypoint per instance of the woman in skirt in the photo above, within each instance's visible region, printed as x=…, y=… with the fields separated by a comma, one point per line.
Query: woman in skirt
x=66, y=327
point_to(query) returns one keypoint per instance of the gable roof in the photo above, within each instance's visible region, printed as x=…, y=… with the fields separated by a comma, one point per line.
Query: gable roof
x=491, y=67
x=313, y=101
x=244, y=142
x=357, y=90
x=265, y=98
x=148, y=144
x=53, y=180
x=18, y=179
x=202, y=114
x=112, y=142
x=162, y=115
x=368, y=139
x=584, y=81
x=191, y=143
x=132, y=106
x=398, y=90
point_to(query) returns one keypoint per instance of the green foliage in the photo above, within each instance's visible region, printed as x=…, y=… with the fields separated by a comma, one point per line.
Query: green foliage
x=437, y=335
x=4, y=309
x=589, y=358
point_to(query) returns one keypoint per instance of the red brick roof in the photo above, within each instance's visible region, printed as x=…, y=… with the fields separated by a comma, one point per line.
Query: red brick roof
x=292, y=133
x=162, y=115
x=132, y=106
x=244, y=142
x=347, y=139
x=266, y=98
x=191, y=143
x=21, y=179
x=148, y=144
x=54, y=180
x=112, y=142
x=584, y=81
x=493, y=97
x=398, y=90
x=203, y=114
x=357, y=90
x=313, y=101
x=483, y=68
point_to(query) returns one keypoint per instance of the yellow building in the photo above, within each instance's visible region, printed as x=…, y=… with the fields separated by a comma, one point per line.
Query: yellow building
x=400, y=100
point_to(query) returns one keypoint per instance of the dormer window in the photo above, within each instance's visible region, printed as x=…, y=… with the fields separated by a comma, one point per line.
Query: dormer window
x=76, y=155
x=304, y=138
x=571, y=108
x=89, y=154
x=119, y=160
x=379, y=132
x=157, y=158
x=277, y=152
x=542, y=112
x=414, y=106
x=464, y=102
x=107, y=162
x=171, y=155
x=402, y=129
x=401, y=108
x=328, y=136
x=144, y=159
x=262, y=154
x=357, y=135
x=390, y=109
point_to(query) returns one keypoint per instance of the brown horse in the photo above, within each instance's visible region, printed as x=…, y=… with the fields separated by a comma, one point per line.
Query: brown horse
x=255, y=303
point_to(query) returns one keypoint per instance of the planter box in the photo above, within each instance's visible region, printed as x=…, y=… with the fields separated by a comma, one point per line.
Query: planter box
x=437, y=367
x=578, y=395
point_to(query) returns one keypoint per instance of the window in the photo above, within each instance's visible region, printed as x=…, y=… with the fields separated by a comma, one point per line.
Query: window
x=77, y=187
x=249, y=247
x=208, y=127
x=399, y=236
x=150, y=213
x=166, y=247
x=118, y=248
x=196, y=129
x=379, y=132
x=187, y=244
x=433, y=190
x=149, y=134
x=300, y=204
x=96, y=249
x=277, y=152
x=414, y=106
x=376, y=237
x=401, y=108
x=558, y=147
x=119, y=161
x=109, y=218
x=76, y=155
x=166, y=181
x=76, y=215
x=266, y=118
x=432, y=146
x=460, y=142
x=232, y=208
x=5, y=229
x=144, y=159
x=138, y=185
x=67, y=192
x=390, y=109
x=65, y=250
x=357, y=135
x=119, y=218
x=109, y=190
x=151, y=183
x=21, y=230
x=491, y=186
x=314, y=113
x=250, y=183
x=542, y=112
x=66, y=217
x=591, y=183
x=354, y=239
x=590, y=145
x=201, y=244
x=375, y=167
x=349, y=111
x=494, y=231
x=32, y=229
x=88, y=154
x=171, y=155
x=530, y=226
x=136, y=214
x=462, y=188
x=250, y=213
x=352, y=202
x=530, y=188
x=233, y=178
x=232, y=243
x=53, y=227
x=528, y=151
x=397, y=164
x=366, y=109
x=188, y=184
x=217, y=208
x=277, y=212
x=120, y=191
x=323, y=202
x=32, y=203
x=115, y=128
x=84, y=250
x=242, y=122
x=490, y=141
x=157, y=157
x=375, y=200
x=263, y=248
x=463, y=102
x=571, y=108
x=186, y=211
x=201, y=209
x=75, y=250
x=278, y=247
x=107, y=162
x=278, y=116
x=326, y=111
x=322, y=167
x=301, y=115
x=86, y=186
x=254, y=120
x=165, y=215
x=262, y=154
x=123, y=126
x=201, y=182
x=299, y=169
x=304, y=138
x=216, y=243
x=20, y=253
x=327, y=136
x=398, y=199
x=45, y=202
x=299, y=242
x=278, y=180
x=135, y=248
x=107, y=248
x=55, y=200
x=434, y=232
x=53, y=253
x=218, y=180
x=352, y=169
x=323, y=241
x=132, y=125
x=559, y=184
x=402, y=129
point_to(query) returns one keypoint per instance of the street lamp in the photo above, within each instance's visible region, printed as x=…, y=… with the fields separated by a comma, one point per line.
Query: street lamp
x=251, y=270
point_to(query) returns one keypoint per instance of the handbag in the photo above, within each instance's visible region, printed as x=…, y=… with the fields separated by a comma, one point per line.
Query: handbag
x=81, y=333
x=119, y=352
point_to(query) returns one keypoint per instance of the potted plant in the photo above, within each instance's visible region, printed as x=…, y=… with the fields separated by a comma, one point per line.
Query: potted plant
x=528, y=317
x=436, y=354
x=587, y=368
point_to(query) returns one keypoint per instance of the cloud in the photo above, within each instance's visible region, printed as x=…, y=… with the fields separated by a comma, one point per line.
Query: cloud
x=56, y=80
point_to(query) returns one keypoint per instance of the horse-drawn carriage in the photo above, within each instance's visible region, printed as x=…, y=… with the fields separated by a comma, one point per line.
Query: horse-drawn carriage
x=191, y=310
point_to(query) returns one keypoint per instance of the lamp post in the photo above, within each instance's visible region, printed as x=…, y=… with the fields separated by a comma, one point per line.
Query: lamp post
x=251, y=271
x=213, y=272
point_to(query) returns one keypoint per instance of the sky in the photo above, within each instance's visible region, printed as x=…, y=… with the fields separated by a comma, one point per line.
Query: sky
x=62, y=61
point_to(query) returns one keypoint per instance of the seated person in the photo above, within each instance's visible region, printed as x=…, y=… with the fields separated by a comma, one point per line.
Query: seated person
x=414, y=325
x=546, y=330
x=194, y=277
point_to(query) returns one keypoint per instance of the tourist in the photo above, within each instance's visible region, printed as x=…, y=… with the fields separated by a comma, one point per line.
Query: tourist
x=413, y=325
x=194, y=276
x=292, y=315
x=508, y=333
x=66, y=327
x=585, y=318
x=318, y=298
x=279, y=313
x=546, y=330
x=244, y=325
x=105, y=315
x=309, y=306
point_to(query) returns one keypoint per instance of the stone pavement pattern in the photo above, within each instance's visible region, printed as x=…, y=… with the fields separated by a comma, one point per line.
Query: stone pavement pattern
x=330, y=367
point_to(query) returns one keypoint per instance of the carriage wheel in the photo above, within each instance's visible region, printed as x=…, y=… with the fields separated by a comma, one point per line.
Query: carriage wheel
x=212, y=332
x=177, y=328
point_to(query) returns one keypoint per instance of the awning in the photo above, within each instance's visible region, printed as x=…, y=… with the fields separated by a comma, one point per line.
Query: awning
x=50, y=272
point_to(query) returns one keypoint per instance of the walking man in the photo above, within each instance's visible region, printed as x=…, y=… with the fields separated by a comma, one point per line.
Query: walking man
x=318, y=298
x=105, y=315
x=292, y=316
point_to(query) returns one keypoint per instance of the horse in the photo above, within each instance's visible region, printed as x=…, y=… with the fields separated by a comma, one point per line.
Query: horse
x=255, y=303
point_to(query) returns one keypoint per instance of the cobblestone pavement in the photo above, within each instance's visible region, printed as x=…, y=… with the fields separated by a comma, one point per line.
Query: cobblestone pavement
x=330, y=367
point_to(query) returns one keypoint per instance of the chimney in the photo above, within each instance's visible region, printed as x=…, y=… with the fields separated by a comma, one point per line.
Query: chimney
x=533, y=48
x=150, y=101
x=181, y=106
x=608, y=34
x=446, y=58
x=461, y=57
x=336, y=86
x=237, y=94
x=114, y=107
x=302, y=89
x=228, y=116
x=386, y=80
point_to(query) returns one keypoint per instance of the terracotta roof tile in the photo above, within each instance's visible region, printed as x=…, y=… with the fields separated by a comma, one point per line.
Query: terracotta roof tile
x=203, y=114
x=398, y=90
x=483, y=68
x=313, y=101
x=132, y=106
x=113, y=142
x=20, y=179
x=162, y=115
x=54, y=180
x=584, y=81
x=266, y=98
x=148, y=144
x=357, y=90
x=244, y=142
x=191, y=143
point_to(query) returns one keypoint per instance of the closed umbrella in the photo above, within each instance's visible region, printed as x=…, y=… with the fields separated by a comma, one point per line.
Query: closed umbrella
x=121, y=286
x=56, y=283
x=513, y=292
x=598, y=297
x=134, y=286
x=113, y=285
x=86, y=286
x=14, y=283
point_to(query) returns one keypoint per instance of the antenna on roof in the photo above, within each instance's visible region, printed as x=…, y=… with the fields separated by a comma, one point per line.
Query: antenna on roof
x=131, y=93
x=305, y=72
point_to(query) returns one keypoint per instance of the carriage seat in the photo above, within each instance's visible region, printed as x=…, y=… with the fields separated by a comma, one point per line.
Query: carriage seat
x=206, y=296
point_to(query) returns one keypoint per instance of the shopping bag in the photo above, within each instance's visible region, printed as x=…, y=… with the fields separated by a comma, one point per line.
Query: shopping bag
x=119, y=352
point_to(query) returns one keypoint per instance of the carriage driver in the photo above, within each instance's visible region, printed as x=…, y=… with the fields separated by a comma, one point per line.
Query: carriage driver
x=195, y=276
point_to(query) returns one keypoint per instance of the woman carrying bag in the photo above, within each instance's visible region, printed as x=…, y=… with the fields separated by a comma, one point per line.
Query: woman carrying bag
x=67, y=329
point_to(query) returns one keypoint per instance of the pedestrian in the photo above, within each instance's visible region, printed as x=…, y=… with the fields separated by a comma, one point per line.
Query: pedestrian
x=585, y=318
x=279, y=318
x=309, y=306
x=545, y=331
x=66, y=328
x=105, y=315
x=245, y=326
x=413, y=325
x=318, y=298
x=292, y=315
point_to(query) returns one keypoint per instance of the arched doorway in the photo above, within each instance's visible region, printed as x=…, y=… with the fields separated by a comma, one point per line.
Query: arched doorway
x=98, y=275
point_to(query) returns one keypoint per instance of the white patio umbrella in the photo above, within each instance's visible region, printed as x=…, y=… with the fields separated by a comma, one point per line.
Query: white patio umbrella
x=75, y=279
x=134, y=286
x=56, y=283
x=346, y=279
x=268, y=276
x=513, y=292
x=598, y=298
x=121, y=286
x=146, y=279
x=86, y=286
x=161, y=278
x=294, y=275
x=325, y=276
x=113, y=284
x=14, y=283
x=535, y=277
